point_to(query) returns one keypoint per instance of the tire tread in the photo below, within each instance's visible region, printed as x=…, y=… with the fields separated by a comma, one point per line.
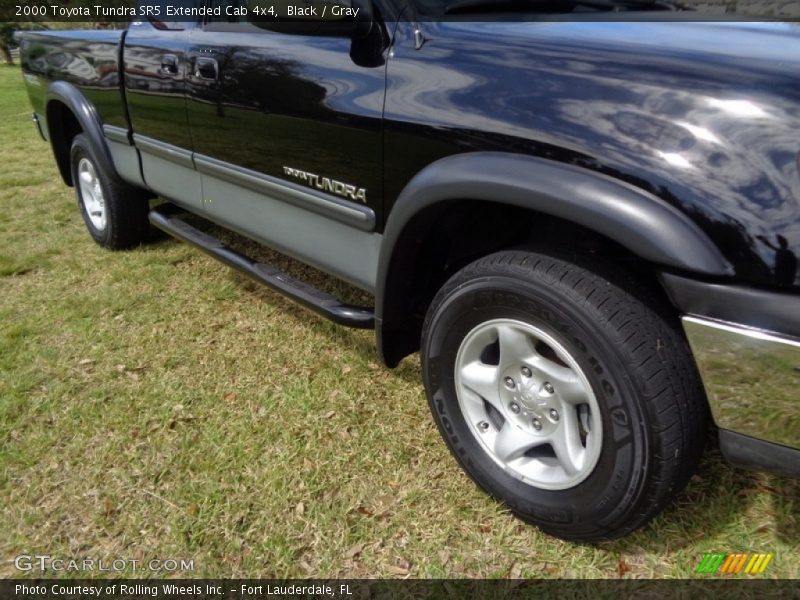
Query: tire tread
x=127, y=207
x=655, y=352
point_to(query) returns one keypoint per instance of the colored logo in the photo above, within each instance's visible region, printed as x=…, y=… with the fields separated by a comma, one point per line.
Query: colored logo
x=733, y=564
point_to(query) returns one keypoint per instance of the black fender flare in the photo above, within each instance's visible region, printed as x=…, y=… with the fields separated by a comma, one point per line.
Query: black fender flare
x=636, y=219
x=90, y=123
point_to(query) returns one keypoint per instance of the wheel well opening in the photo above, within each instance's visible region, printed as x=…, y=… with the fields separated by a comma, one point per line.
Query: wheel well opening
x=442, y=239
x=63, y=126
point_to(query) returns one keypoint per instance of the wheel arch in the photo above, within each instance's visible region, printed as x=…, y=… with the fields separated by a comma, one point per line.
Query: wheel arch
x=68, y=112
x=641, y=223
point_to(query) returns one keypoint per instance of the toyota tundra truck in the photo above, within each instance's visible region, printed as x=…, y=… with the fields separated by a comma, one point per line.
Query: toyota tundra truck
x=583, y=214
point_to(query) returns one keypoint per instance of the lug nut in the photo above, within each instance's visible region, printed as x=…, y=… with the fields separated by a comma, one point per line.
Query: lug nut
x=526, y=372
x=554, y=414
x=483, y=426
x=537, y=424
x=548, y=387
x=514, y=407
x=510, y=383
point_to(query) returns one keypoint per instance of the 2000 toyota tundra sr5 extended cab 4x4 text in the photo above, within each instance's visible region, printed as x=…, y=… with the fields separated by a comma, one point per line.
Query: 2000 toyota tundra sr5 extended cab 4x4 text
x=588, y=229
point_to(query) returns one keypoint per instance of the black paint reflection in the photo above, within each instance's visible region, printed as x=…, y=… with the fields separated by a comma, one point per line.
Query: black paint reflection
x=157, y=98
x=87, y=60
x=286, y=99
x=704, y=115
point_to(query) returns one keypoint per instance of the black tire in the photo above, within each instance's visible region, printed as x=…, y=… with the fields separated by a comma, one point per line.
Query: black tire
x=124, y=208
x=651, y=405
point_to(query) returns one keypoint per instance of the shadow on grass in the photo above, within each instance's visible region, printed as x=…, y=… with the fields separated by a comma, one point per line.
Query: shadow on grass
x=365, y=347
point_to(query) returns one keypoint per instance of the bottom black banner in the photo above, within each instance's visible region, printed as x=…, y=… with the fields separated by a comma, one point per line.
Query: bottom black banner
x=355, y=589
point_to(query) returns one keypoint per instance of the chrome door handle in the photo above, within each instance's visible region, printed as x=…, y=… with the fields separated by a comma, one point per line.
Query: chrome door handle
x=206, y=68
x=169, y=64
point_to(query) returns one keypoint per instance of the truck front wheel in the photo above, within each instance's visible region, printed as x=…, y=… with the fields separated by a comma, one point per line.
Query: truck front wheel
x=114, y=213
x=565, y=390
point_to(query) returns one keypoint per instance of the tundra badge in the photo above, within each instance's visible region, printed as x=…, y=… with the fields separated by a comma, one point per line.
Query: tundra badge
x=328, y=185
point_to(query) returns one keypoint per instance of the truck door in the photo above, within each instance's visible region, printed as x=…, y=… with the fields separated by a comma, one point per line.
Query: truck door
x=286, y=123
x=155, y=65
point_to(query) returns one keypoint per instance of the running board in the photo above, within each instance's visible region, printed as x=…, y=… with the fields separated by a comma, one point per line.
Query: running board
x=168, y=218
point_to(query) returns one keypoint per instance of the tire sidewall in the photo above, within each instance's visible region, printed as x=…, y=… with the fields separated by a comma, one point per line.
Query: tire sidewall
x=616, y=482
x=81, y=149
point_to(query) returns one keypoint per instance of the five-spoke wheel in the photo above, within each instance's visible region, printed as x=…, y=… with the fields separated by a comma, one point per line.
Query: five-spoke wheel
x=529, y=403
x=565, y=390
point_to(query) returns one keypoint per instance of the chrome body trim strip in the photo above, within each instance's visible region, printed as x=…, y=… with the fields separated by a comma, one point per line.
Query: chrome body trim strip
x=751, y=378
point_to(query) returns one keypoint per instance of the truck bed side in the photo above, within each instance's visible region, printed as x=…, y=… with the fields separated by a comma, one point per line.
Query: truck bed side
x=74, y=82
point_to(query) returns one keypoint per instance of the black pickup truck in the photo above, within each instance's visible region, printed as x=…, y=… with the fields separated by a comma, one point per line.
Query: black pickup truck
x=589, y=229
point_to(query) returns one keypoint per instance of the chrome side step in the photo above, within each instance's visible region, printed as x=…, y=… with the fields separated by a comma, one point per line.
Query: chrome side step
x=167, y=217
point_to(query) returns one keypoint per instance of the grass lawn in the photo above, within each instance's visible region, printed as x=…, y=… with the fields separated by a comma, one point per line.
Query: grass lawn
x=154, y=405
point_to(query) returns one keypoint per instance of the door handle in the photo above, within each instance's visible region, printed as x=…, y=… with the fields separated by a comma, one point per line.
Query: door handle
x=206, y=68
x=169, y=64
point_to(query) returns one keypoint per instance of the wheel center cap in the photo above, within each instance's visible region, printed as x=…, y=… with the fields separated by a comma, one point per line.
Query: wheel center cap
x=530, y=399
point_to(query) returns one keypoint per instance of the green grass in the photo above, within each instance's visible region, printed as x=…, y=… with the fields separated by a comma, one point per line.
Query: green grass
x=154, y=404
